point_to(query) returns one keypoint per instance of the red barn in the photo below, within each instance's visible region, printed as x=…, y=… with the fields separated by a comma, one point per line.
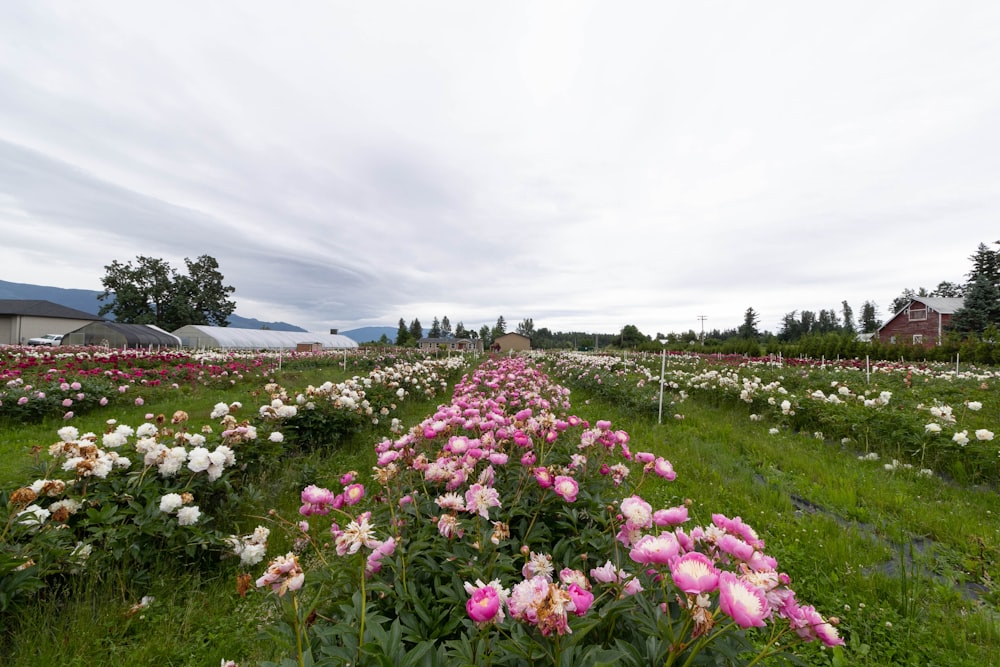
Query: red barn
x=922, y=322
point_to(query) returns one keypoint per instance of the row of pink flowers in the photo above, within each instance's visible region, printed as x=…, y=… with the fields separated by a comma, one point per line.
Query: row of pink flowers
x=506, y=440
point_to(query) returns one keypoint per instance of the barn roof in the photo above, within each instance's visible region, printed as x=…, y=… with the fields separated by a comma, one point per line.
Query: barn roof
x=942, y=304
x=42, y=308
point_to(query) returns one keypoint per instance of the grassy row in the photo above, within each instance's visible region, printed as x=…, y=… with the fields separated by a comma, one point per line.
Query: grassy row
x=893, y=554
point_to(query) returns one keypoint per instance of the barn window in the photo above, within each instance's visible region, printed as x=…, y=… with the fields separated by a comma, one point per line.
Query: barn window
x=918, y=339
x=917, y=313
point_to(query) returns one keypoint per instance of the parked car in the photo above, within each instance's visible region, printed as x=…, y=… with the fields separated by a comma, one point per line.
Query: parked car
x=47, y=339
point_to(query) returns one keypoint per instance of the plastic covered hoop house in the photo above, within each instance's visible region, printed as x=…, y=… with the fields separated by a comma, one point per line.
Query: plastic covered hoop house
x=199, y=336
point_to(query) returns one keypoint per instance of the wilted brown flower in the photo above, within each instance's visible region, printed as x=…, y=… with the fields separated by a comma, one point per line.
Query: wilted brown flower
x=23, y=497
x=243, y=584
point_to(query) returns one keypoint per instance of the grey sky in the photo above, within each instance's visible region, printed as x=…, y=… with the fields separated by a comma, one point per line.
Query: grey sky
x=588, y=165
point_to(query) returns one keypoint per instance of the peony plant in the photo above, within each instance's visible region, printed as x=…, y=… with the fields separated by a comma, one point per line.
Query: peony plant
x=505, y=530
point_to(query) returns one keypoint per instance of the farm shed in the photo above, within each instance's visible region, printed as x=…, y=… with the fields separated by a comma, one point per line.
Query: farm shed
x=116, y=334
x=203, y=336
x=457, y=344
x=511, y=342
x=21, y=319
x=921, y=322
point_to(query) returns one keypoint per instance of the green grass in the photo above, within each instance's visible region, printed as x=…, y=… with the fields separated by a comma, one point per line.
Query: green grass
x=836, y=525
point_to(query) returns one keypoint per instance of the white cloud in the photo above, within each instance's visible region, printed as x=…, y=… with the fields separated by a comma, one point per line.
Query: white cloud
x=588, y=165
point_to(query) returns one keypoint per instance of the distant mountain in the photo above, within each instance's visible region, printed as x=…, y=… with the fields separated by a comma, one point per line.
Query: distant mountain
x=371, y=334
x=238, y=322
x=86, y=300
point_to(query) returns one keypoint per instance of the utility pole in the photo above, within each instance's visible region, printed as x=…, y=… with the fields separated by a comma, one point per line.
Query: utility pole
x=703, y=318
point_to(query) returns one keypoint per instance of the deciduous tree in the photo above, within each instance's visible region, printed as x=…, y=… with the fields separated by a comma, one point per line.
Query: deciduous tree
x=152, y=292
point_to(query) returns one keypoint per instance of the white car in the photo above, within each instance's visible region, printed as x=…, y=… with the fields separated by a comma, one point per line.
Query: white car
x=47, y=339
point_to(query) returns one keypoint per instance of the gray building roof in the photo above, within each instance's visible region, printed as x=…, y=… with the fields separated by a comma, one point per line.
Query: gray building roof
x=41, y=308
x=945, y=305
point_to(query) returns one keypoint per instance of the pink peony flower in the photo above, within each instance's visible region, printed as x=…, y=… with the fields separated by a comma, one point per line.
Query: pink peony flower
x=743, y=602
x=664, y=469
x=655, y=549
x=637, y=512
x=566, y=487
x=671, y=517
x=487, y=602
x=735, y=547
x=479, y=499
x=353, y=494
x=581, y=597
x=484, y=604
x=543, y=477
x=695, y=574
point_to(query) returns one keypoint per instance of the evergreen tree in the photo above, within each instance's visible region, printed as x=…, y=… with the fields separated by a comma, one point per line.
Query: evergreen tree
x=461, y=331
x=499, y=329
x=484, y=334
x=435, y=331
x=445, y=327
x=416, y=330
x=526, y=327
x=791, y=328
x=402, y=334
x=981, y=308
x=869, y=317
x=749, y=327
x=985, y=262
x=848, y=315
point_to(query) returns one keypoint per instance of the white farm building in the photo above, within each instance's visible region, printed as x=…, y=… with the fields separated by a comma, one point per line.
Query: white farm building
x=200, y=336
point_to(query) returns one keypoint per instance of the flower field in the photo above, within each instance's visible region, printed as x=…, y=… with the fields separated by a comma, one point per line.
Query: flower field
x=534, y=517
x=929, y=417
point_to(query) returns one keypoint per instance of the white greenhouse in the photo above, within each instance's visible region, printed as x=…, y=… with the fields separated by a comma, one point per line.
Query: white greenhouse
x=200, y=336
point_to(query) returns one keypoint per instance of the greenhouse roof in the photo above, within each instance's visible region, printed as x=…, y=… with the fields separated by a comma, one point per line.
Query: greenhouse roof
x=204, y=336
x=117, y=333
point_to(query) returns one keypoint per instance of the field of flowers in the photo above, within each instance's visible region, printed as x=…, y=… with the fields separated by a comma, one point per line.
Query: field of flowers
x=173, y=485
x=929, y=417
x=529, y=526
x=545, y=537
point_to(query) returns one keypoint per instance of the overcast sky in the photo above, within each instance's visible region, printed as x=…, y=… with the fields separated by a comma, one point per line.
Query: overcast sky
x=587, y=165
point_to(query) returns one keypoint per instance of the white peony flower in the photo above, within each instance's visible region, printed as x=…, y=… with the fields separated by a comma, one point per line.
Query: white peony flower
x=188, y=516
x=170, y=502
